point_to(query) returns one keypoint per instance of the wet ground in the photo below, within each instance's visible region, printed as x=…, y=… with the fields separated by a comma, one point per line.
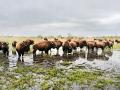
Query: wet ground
x=108, y=61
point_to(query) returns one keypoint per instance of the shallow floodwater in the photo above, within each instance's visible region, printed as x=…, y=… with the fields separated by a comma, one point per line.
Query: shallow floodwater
x=107, y=61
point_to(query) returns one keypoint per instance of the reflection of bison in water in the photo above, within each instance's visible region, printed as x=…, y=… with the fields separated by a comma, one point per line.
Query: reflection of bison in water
x=5, y=48
x=43, y=46
x=94, y=55
x=23, y=47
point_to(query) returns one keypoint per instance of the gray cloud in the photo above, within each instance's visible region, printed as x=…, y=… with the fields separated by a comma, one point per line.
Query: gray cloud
x=78, y=17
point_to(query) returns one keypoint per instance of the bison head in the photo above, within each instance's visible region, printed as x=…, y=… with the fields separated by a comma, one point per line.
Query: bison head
x=29, y=42
x=52, y=44
x=5, y=44
x=14, y=43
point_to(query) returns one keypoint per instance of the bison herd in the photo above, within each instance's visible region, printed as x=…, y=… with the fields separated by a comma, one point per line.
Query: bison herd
x=68, y=45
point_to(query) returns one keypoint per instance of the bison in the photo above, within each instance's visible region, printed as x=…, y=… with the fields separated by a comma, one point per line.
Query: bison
x=66, y=46
x=82, y=43
x=4, y=46
x=73, y=44
x=58, y=44
x=117, y=41
x=90, y=45
x=111, y=43
x=100, y=44
x=14, y=44
x=23, y=47
x=43, y=46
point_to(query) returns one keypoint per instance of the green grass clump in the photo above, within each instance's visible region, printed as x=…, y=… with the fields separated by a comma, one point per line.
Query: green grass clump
x=101, y=83
x=82, y=77
x=45, y=86
x=23, y=82
x=66, y=63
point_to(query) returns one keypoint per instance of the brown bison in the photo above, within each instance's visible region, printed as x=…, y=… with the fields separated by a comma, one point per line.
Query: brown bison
x=23, y=47
x=66, y=46
x=58, y=44
x=73, y=44
x=43, y=46
x=14, y=44
x=0, y=45
x=90, y=45
x=82, y=43
x=117, y=41
x=110, y=44
x=4, y=46
x=100, y=44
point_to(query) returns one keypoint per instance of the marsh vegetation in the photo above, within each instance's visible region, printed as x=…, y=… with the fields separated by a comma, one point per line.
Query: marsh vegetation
x=79, y=71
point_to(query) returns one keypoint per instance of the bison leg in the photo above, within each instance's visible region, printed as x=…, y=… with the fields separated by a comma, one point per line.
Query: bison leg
x=19, y=55
x=96, y=49
x=4, y=52
x=103, y=48
x=7, y=53
x=22, y=54
x=34, y=53
x=92, y=48
x=57, y=51
x=88, y=49
x=46, y=52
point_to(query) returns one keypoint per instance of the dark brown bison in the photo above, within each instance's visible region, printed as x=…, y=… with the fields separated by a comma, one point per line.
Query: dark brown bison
x=66, y=46
x=110, y=44
x=5, y=48
x=23, y=47
x=117, y=41
x=14, y=44
x=58, y=44
x=0, y=45
x=77, y=42
x=43, y=46
x=14, y=47
x=82, y=43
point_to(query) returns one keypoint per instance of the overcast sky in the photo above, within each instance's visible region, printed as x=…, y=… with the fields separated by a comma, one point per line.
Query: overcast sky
x=54, y=17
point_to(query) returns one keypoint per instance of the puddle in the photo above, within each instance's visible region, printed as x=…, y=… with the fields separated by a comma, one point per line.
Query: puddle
x=109, y=60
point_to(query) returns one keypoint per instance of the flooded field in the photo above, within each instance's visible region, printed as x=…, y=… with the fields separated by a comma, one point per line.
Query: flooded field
x=77, y=71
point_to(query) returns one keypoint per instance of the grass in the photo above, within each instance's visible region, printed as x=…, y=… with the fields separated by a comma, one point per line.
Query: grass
x=116, y=47
x=25, y=77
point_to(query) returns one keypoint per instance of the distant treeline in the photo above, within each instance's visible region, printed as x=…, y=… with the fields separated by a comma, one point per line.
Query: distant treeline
x=60, y=36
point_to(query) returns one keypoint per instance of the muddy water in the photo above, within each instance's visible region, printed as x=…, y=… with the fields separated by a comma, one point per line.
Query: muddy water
x=107, y=61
